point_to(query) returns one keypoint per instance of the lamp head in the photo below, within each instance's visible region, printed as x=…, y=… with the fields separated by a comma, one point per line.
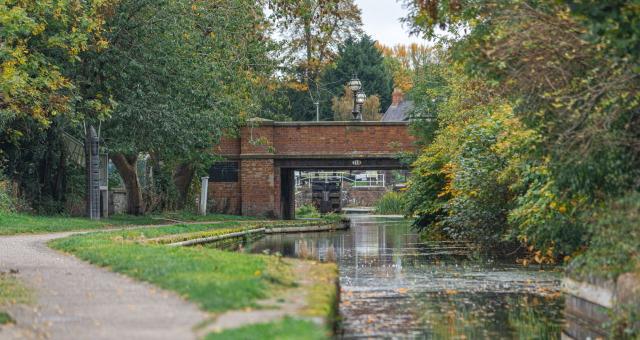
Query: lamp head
x=354, y=84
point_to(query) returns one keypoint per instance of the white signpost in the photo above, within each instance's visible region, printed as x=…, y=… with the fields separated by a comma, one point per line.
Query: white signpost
x=204, y=186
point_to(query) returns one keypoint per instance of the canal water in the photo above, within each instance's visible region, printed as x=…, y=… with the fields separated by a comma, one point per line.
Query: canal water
x=394, y=285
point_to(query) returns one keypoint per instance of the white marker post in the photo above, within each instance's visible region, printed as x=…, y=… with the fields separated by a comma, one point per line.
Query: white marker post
x=204, y=186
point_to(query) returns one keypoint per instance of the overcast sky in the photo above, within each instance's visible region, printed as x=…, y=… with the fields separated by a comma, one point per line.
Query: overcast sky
x=381, y=20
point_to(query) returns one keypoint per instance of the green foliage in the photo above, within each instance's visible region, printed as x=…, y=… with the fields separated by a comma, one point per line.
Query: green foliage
x=392, y=203
x=41, y=41
x=159, y=77
x=531, y=122
x=285, y=329
x=7, y=204
x=307, y=210
x=614, y=24
x=615, y=245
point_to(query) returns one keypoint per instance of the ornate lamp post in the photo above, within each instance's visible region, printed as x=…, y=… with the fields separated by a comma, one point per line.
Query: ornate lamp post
x=358, y=97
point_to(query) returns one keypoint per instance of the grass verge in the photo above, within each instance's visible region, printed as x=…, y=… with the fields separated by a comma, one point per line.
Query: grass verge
x=15, y=223
x=285, y=329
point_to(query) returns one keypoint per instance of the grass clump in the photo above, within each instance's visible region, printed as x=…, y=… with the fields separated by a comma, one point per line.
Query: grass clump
x=285, y=329
x=307, y=211
x=214, y=279
x=12, y=292
x=392, y=203
x=5, y=318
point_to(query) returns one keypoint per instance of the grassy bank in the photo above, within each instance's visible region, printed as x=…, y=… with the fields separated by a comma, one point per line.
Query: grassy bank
x=216, y=280
x=14, y=223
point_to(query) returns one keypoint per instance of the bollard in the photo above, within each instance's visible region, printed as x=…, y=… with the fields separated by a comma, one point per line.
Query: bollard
x=204, y=186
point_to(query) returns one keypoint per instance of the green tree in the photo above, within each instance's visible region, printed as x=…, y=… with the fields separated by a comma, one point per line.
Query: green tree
x=180, y=73
x=41, y=44
x=361, y=58
x=312, y=31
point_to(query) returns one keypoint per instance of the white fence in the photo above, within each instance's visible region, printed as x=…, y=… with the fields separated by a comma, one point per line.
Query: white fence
x=367, y=179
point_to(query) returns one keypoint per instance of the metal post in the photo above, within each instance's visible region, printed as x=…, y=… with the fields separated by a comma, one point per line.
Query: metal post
x=93, y=174
x=204, y=186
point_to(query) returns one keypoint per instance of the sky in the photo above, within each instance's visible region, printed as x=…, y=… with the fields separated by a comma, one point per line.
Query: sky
x=381, y=20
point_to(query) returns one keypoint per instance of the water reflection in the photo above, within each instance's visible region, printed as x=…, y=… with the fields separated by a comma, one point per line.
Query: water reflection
x=393, y=285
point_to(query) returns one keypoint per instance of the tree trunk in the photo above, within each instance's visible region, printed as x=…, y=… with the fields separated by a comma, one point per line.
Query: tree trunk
x=182, y=177
x=126, y=166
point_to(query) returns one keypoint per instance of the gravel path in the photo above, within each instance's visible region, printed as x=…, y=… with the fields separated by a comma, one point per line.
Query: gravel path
x=75, y=300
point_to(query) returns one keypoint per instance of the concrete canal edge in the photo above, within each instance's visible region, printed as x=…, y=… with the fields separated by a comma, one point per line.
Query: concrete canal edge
x=314, y=228
x=588, y=303
x=301, y=229
x=216, y=238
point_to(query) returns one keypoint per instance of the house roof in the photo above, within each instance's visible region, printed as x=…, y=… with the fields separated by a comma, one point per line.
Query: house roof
x=398, y=112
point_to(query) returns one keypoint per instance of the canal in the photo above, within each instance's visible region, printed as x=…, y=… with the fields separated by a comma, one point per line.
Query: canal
x=394, y=285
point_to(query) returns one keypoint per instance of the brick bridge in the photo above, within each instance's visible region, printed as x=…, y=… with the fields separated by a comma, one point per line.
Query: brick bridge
x=257, y=177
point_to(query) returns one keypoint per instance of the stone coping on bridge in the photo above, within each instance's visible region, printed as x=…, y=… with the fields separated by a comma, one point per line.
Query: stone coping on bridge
x=262, y=121
x=311, y=156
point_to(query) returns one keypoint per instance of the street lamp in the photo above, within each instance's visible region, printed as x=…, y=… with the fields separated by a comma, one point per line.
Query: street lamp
x=358, y=97
x=354, y=84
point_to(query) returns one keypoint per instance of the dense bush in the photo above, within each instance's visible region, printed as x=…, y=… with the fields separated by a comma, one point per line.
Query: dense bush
x=615, y=245
x=6, y=199
x=529, y=122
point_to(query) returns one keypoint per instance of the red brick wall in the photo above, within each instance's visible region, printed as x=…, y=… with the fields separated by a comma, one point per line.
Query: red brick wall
x=227, y=146
x=341, y=139
x=224, y=197
x=318, y=139
x=258, y=188
x=257, y=139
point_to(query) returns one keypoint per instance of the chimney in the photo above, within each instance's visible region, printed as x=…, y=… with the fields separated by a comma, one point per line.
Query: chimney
x=397, y=97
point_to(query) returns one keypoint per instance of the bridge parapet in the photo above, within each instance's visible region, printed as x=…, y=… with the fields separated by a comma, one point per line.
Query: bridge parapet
x=282, y=139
